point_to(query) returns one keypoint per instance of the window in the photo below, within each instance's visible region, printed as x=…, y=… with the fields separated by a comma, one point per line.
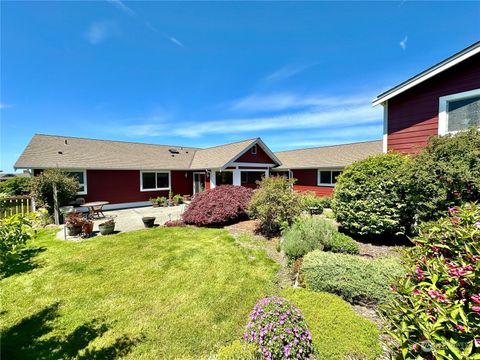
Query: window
x=81, y=176
x=223, y=178
x=154, y=180
x=459, y=112
x=251, y=177
x=254, y=149
x=328, y=177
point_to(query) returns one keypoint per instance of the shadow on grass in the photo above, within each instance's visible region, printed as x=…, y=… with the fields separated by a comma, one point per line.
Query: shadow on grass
x=21, y=262
x=31, y=339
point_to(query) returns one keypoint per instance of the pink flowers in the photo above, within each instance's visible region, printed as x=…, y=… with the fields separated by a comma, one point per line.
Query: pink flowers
x=476, y=309
x=420, y=274
x=475, y=298
x=437, y=295
x=416, y=292
x=452, y=210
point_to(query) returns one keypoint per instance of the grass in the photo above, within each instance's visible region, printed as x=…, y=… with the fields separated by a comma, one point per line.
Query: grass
x=157, y=293
x=337, y=331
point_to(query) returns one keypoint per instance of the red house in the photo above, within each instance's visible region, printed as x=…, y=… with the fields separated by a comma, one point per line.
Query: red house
x=129, y=174
x=441, y=100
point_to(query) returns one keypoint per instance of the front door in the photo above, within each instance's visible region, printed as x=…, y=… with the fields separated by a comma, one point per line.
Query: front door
x=198, y=182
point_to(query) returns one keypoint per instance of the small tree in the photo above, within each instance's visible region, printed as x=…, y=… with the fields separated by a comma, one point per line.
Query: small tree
x=42, y=188
x=275, y=204
x=445, y=173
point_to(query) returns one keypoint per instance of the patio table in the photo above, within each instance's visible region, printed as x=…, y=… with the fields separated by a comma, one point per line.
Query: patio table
x=96, y=207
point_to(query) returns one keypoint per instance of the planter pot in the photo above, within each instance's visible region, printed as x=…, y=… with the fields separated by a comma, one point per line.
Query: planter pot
x=106, y=229
x=155, y=204
x=87, y=228
x=148, y=221
x=74, y=230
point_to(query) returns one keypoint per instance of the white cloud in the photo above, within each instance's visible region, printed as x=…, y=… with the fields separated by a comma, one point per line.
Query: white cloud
x=100, y=31
x=5, y=106
x=286, y=72
x=403, y=43
x=175, y=41
x=286, y=100
x=120, y=5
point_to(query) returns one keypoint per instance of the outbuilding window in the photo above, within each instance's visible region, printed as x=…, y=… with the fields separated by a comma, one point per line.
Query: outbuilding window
x=154, y=180
x=459, y=112
x=81, y=176
x=328, y=177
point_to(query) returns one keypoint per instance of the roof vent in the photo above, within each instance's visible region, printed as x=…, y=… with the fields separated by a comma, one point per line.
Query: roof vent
x=66, y=142
x=173, y=151
x=60, y=152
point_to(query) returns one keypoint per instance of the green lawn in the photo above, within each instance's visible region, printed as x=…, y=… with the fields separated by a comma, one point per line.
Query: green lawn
x=157, y=293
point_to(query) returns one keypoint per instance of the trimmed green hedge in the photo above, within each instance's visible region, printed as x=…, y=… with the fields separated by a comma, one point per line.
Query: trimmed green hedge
x=355, y=279
x=337, y=331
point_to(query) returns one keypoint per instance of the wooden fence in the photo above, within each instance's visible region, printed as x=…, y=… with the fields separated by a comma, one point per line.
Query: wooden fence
x=15, y=205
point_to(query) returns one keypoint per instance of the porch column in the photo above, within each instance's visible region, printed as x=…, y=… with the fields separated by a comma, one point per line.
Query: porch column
x=212, y=179
x=237, y=178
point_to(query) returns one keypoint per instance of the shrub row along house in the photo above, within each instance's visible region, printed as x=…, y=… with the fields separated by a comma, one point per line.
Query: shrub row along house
x=441, y=100
x=129, y=174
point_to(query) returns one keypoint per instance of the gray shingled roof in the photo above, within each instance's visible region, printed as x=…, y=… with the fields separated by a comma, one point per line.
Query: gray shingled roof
x=328, y=156
x=218, y=156
x=49, y=151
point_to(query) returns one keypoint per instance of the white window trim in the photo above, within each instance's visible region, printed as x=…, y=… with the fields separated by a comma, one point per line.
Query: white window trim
x=85, y=190
x=324, y=184
x=443, y=104
x=156, y=171
x=254, y=149
x=193, y=180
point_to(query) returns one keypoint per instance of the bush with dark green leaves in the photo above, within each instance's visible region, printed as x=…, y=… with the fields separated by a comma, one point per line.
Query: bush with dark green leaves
x=354, y=278
x=326, y=202
x=370, y=196
x=307, y=234
x=19, y=185
x=446, y=173
x=341, y=243
x=275, y=204
x=43, y=185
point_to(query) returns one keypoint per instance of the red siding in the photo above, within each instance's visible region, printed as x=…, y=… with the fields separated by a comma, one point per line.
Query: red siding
x=307, y=181
x=260, y=157
x=413, y=115
x=121, y=186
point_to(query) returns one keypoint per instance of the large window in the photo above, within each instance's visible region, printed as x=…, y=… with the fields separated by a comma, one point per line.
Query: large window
x=459, y=112
x=81, y=176
x=328, y=177
x=154, y=180
x=224, y=178
x=251, y=177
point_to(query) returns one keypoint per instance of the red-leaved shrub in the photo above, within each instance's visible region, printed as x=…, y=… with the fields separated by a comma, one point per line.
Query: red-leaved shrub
x=221, y=205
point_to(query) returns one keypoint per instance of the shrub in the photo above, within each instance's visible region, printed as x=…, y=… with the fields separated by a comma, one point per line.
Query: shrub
x=341, y=243
x=326, y=202
x=356, y=279
x=338, y=332
x=280, y=331
x=312, y=203
x=221, y=205
x=275, y=204
x=174, y=223
x=238, y=350
x=370, y=198
x=445, y=173
x=42, y=188
x=307, y=234
x=436, y=311
x=15, y=231
x=18, y=185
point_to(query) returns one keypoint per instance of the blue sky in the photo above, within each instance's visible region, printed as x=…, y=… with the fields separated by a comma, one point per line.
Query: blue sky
x=204, y=73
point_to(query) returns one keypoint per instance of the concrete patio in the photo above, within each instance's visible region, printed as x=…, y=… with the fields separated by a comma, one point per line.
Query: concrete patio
x=131, y=219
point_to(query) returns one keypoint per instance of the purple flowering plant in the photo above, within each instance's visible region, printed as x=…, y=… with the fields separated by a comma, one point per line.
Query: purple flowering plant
x=435, y=312
x=279, y=330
